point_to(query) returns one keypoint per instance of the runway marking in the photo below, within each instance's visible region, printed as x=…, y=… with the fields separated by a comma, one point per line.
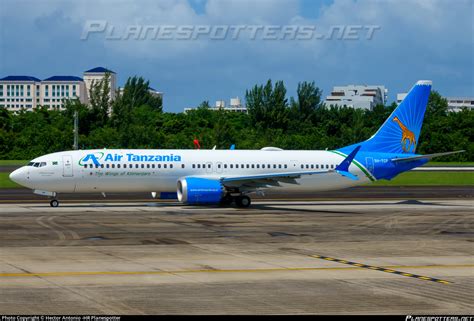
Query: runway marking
x=164, y=272
x=384, y=269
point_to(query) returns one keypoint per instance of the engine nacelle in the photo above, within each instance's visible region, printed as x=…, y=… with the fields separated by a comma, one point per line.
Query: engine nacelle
x=195, y=190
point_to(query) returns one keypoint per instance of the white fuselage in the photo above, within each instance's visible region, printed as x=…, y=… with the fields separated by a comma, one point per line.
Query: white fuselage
x=138, y=170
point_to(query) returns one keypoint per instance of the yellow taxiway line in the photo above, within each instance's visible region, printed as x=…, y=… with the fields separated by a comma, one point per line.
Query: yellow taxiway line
x=164, y=272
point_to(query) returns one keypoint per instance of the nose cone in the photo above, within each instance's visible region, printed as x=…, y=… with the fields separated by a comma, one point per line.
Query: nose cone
x=19, y=176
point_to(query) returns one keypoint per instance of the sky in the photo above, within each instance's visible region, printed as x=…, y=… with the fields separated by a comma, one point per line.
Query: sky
x=413, y=40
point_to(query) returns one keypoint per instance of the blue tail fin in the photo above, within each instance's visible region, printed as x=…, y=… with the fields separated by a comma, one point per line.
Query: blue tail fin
x=401, y=131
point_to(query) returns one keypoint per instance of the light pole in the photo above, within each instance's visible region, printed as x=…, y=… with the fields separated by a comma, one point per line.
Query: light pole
x=76, y=131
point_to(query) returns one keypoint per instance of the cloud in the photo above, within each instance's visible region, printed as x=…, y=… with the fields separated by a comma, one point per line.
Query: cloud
x=416, y=40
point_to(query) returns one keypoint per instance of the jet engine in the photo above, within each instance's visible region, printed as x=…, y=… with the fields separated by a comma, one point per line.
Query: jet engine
x=195, y=190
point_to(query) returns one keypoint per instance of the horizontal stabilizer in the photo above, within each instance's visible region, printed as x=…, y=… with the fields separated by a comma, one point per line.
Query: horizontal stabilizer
x=428, y=156
x=348, y=175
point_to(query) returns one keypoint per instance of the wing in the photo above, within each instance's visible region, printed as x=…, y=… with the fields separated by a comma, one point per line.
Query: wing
x=428, y=156
x=250, y=182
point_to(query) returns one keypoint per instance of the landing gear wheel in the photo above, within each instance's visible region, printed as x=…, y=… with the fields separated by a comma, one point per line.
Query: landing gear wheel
x=243, y=201
x=54, y=203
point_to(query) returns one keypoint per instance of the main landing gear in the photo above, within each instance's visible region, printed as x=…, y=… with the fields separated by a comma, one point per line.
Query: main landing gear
x=243, y=201
x=240, y=200
x=54, y=203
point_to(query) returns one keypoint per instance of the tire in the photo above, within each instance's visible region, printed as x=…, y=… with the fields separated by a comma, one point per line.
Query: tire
x=54, y=203
x=243, y=201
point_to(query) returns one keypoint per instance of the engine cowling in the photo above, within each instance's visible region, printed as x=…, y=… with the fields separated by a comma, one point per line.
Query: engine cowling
x=195, y=190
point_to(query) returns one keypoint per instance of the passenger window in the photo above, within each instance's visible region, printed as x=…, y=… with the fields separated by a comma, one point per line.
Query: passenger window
x=248, y=165
x=182, y=165
x=118, y=165
x=101, y=165
x=96, y=166
x=253, y=165
x=136, y=165
x=279, y=165
x=208, y=165
x=258, y=165
x=225, y=165
x=152, y=165
x=286, y=166
x=159, y=165
x=219, y=166
x=113, y=165
x=194, y=166
x=327, y=166
x=231, y=166
x=199, y=165
x=236, y=165
x=317, y=166
x=147, y=165
x=164, y=165
x=171, y=165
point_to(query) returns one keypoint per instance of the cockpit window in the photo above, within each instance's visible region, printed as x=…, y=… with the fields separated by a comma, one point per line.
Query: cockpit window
x=37, y=164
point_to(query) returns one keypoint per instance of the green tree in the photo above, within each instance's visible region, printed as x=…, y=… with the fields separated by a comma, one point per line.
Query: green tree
x=307, y=102
x=100, y=102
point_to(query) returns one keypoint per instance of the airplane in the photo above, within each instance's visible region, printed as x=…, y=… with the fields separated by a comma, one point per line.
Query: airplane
x=203, y=177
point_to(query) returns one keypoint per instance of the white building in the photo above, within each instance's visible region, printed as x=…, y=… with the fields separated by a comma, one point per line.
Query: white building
x=357, y=96
x=455, y=104
x=27, y=92
x=17, y=92
x=152, y=91
x=400, y=97
x=234, y=106
x=56, y=89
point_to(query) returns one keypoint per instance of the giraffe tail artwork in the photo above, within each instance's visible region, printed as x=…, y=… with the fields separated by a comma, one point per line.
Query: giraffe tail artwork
x=400, y=132
x=392, y=149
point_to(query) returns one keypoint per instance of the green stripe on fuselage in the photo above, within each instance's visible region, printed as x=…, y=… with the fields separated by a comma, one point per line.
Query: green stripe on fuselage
x=361, y=167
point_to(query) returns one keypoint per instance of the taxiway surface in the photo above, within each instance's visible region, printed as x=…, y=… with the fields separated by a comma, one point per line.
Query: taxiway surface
x=277, y=257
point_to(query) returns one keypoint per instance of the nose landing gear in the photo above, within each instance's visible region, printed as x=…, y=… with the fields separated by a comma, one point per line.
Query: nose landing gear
x=54, y=203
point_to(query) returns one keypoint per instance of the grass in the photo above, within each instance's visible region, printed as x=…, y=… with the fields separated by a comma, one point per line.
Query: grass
x=450, y=164
x=430, y=178
x=5, y=182
x=13, y=162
